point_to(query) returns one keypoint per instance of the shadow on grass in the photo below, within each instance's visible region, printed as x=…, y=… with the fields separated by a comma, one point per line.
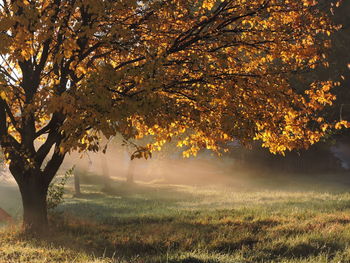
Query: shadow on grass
x=150, y=222
x=89, y=196
x=193, y=260
x=302, y=250
x=122, y=202
x=150, y=239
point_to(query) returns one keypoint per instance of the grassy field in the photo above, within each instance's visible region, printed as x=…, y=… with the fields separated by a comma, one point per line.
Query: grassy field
x=151, y=223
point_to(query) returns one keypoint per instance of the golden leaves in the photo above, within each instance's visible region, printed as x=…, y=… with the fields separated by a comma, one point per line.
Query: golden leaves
x=3, y=95
x=179, y=70
x=339, y=125
x=208, y=4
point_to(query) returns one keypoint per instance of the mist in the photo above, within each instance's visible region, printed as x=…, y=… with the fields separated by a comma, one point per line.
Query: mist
x=320, y=168
x=116, y=163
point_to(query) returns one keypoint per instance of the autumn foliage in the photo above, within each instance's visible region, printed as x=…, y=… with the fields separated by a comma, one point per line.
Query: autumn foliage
x=201, y=72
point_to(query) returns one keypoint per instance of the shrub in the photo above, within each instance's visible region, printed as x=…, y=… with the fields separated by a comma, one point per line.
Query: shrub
x=56, y=190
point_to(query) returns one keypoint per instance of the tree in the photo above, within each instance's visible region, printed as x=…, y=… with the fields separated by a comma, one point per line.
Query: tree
x=106, y=174
x=130, y=173
x=77, y=184
x=134, y=152
x=205, y=72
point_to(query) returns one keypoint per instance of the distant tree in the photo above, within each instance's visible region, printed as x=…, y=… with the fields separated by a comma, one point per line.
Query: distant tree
x=77, y=190
x=209, y=70
x=135, y=152
x=130, y=172
x=105, y=173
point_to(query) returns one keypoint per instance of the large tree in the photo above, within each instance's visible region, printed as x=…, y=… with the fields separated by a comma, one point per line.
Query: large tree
x=204, y=72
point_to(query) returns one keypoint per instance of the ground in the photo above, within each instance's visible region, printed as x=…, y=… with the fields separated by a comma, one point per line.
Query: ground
x=151, y=223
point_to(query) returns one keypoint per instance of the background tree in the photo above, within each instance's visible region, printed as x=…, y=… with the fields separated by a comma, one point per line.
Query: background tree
x=77, y=190
x=105, y=173
x=207, y=71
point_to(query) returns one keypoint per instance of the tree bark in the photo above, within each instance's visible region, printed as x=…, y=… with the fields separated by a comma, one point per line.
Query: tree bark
x=33, y=184
x=34, y=193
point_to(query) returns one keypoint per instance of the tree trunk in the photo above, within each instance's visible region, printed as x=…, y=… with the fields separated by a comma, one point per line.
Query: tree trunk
x=105, y=171
x=34, y=194
x=77, y=185
x=130, y=174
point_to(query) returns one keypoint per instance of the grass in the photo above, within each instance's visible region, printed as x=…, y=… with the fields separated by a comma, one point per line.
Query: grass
x=153, y=223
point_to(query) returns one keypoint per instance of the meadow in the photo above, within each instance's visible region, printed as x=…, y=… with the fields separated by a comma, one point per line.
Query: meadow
x=158, y=222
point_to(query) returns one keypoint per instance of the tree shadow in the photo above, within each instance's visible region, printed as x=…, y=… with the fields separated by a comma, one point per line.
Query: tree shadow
x=123, y=201
x=150, y=237
x=89, y=196
x=149, y=221
x=193, y=259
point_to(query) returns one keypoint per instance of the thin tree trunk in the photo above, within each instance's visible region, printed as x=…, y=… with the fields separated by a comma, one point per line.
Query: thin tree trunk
x=105, y=172
x=77, y=184
x=130, y=174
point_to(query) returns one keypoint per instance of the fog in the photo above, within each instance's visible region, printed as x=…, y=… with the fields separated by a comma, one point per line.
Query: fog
x=323, y=169
x=116, y=163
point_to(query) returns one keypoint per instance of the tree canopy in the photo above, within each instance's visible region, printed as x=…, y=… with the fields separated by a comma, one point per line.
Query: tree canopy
x=205, y=72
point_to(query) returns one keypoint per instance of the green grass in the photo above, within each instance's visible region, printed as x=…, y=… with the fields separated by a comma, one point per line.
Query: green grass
x=150, y=223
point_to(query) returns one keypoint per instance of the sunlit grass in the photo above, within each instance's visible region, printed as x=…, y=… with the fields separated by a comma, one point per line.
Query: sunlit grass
x=186, y=224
